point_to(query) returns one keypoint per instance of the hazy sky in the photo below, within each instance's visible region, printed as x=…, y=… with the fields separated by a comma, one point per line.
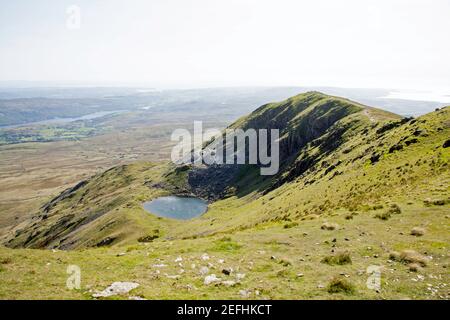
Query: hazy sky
x=353, y=43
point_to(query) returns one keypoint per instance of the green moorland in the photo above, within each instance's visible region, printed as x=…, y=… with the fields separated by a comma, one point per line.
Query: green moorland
x=357, y=187
x=46, y=133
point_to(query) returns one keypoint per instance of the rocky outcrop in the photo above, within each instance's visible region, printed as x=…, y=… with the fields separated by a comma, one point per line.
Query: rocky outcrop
x=300, y=120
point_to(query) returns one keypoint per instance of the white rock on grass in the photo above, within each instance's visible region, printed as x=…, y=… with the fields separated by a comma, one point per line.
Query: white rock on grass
x=240, y=276
x=245, y=293
x=211, y=279
x=161, y=265
x=205, y=257
x=179, y=259
x=204, y=270
x=136, y=298
x=117, y=288
x=229, y=283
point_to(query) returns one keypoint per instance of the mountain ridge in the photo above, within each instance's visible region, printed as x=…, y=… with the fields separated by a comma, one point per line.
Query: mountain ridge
x=323, y=139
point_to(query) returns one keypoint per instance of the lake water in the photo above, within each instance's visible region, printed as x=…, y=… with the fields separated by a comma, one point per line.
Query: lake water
x=180, y=208
x=56, y=121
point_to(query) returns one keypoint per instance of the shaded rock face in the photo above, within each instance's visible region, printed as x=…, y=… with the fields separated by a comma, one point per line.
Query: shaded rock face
x=303, y=120
x=65, y=194
x=211, y=182
x=106, y=242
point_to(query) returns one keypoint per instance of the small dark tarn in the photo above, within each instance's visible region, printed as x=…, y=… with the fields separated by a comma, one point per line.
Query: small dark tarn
x=175, y=207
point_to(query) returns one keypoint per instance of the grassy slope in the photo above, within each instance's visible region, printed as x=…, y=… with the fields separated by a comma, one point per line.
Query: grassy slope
x=100, y=209
x=344, y=187
x=299, y=249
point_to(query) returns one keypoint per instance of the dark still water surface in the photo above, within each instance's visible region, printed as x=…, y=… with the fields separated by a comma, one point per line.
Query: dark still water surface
x=181, y=208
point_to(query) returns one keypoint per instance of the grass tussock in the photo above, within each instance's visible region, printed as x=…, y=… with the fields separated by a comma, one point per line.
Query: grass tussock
x=414, y=267
x=285, y=262
x=394, y=209
x=338, y=259
x=290, y=225
x=350, y=216
x=409, y=257
x=418, y=231
x=6, y=260
x=436, y=202
x=383, y=216
x=339, y=285
x=155, y=234
x=329, y=226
